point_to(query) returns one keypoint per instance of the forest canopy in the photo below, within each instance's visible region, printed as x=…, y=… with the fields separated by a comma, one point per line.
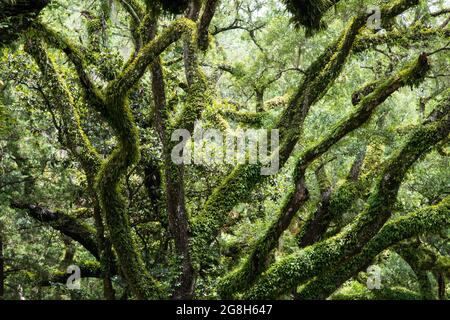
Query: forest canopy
x=118, y=181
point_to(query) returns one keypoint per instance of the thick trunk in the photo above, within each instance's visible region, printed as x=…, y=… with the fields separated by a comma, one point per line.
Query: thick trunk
x=174, y=183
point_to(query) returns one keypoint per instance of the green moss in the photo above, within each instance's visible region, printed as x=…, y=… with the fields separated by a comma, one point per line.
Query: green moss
x=429, y=219
x=311, y=261
x=253, y=266
x=398, y=37
x=117, y=113
x=359, y=292
x=74, y=136
x=239, y=184
x=136, y=68
x=236, y=188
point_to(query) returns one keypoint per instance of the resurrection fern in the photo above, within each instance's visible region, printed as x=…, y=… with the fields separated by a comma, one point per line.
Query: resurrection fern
x=308, y=13
x=16, y=17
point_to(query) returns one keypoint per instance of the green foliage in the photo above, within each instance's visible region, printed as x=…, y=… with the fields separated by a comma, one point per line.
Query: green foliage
x=308, y=13
x=90, y=93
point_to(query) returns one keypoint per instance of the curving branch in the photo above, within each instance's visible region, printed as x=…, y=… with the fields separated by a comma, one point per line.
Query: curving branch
x=237, y=187
x=317, y=258
x=78, y=55
x=74, y=137
x=117, y=113
x=17, y=16
x=75, y=140
x=136, y=69
x=66, y=224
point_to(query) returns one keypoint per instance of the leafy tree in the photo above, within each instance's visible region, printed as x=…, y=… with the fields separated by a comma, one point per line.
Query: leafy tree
x=91, y=94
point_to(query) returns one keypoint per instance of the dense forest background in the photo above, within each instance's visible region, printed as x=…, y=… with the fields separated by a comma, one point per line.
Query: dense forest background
x=92, y=90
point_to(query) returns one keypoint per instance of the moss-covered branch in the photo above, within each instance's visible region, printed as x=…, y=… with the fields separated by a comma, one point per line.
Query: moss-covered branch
x=135, y=70
x=74, y=137
x=254, y=265
x=399, y=37
x=76, y=141
x=118, y=115
x=199, y=99
x=138, y=22
x=426, y=220
x=88, y=269
x=425, y=257
x=66, y=224
x=237, y=187
x=78, y=55
x=339, y=202
x=311, y=261
x=316, y=224
x=112, y=104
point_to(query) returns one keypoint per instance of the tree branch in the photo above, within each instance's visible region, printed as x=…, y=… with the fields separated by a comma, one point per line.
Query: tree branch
x=64, y=223
x=315, y=259
x=426, y=220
